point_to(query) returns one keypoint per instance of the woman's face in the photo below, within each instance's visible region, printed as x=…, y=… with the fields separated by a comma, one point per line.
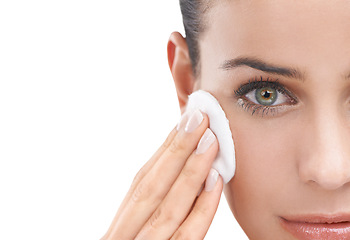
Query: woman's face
x=293, y=152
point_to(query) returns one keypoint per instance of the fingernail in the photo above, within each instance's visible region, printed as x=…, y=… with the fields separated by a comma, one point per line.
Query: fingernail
x=194, y=121
x=183, y=120
x=206, y=141
x=211, y=180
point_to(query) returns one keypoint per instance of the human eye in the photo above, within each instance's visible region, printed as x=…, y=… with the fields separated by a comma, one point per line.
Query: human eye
x=265, y=97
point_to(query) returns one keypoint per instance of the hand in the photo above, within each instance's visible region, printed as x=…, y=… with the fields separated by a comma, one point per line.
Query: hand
x=163, y=201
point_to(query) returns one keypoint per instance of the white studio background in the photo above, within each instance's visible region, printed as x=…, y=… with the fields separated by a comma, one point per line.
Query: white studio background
x=86, y=97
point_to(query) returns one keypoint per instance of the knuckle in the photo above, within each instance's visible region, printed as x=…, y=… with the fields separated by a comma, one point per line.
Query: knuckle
x=138, y=176
x=193, y=171
x=142, y=172
x=191, y=177
x=201, y=211
x=181, y=235
x=153, y=221
x=155, y=218
x=167, y=141
x=162, y=217
x=137, y=195
x=141, y=192
x=188, y=172
x=176, y=146
x=146, y=191
x=170, y=217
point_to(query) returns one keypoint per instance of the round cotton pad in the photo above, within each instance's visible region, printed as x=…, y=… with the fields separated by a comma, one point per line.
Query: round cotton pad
x=225, y=162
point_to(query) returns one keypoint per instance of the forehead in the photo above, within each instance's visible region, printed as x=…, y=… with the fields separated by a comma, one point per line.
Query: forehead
x=302, y=33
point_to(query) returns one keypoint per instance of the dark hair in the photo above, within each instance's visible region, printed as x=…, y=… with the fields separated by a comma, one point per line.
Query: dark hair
x=193, y=20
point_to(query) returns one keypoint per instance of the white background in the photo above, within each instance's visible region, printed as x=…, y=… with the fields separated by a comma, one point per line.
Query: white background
x=86, y=97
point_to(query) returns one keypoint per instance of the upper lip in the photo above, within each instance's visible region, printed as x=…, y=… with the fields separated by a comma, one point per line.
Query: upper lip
x=319, y=218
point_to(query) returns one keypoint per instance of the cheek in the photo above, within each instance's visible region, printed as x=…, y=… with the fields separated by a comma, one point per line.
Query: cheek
x=265, y=163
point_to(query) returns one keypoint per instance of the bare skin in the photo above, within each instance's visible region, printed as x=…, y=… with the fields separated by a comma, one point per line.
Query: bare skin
x=291, y=159
x=162, y=202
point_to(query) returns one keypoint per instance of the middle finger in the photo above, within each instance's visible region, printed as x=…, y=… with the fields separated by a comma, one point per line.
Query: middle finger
x=178, y=202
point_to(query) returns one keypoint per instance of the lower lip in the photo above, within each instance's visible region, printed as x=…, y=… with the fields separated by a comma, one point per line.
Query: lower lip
x=309, y=231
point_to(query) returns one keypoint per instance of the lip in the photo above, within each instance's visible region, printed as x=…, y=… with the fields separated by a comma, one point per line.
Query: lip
x=318, y=226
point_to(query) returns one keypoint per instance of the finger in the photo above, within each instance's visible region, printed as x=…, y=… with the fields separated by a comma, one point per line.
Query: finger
x=138, y=177
x=150, y=163
x=166, y=144
x=153, y=187
x=145, y=169
x=178, y=202
x=202, y=214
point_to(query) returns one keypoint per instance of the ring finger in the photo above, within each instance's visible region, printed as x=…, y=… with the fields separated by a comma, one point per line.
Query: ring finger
x=178, y=202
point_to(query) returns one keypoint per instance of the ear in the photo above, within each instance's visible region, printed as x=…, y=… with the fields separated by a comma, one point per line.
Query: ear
x=181, y=68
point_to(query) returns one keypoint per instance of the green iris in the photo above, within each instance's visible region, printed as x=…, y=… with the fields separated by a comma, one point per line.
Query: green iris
x=266, y=95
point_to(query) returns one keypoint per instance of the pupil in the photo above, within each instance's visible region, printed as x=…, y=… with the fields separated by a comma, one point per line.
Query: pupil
x=266, y=94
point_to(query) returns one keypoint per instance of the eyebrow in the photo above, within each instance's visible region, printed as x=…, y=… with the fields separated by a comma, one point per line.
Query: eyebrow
x=257, y=63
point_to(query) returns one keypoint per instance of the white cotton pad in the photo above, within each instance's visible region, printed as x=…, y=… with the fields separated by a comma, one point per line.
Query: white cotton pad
x=225, y=162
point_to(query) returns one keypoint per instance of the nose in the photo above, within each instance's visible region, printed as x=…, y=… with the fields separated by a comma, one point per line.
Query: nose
x=326, y=153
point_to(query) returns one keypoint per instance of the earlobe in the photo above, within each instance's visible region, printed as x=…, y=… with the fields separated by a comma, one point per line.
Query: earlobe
x=181, y=67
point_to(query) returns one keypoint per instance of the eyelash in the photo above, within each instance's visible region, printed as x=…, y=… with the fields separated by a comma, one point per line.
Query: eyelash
x=256, y=84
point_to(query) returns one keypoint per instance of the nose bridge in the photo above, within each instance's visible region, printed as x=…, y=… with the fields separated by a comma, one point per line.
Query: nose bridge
x=327, y=160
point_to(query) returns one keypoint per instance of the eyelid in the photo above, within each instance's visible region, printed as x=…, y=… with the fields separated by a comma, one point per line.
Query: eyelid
x=254, y=84
x=281, y=98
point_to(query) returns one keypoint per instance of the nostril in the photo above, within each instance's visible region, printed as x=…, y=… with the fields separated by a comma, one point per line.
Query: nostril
x=329, y=179
x=332, y=182
x=326, y=164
